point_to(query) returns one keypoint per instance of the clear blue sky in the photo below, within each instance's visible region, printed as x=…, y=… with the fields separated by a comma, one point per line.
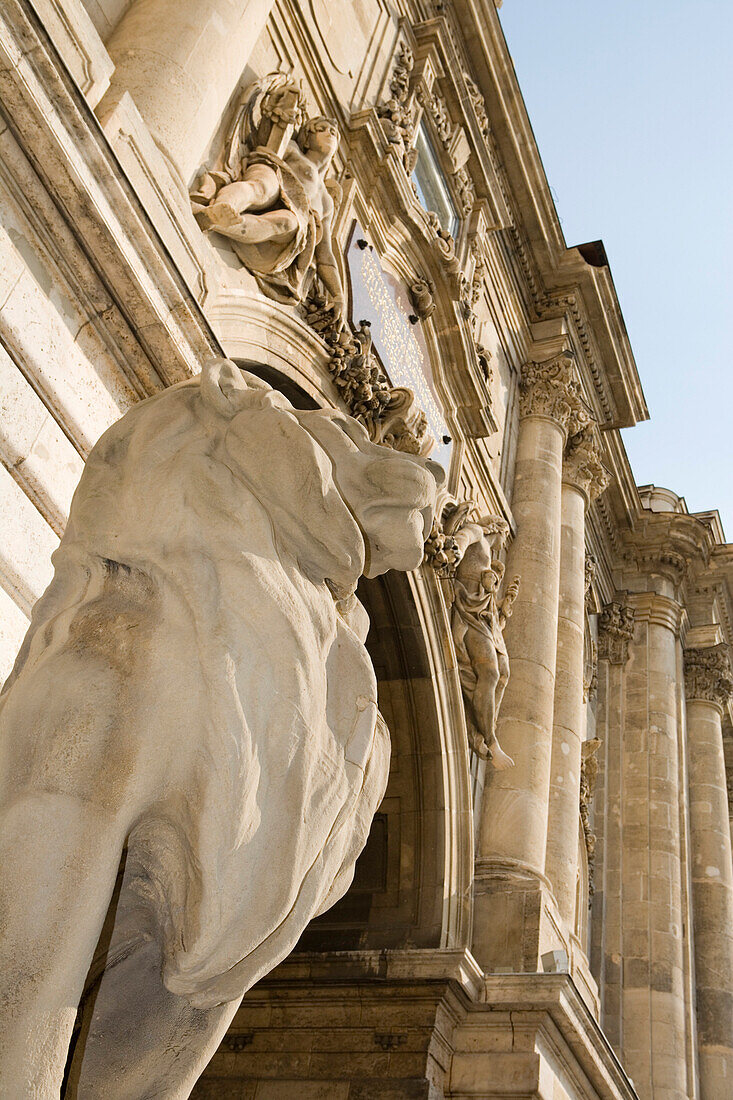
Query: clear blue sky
x=631, y=102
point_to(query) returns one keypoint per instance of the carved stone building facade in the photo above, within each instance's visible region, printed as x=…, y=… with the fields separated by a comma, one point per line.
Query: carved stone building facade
x=372, y=230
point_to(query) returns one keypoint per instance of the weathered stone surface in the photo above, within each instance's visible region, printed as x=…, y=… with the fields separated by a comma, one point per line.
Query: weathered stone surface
x=193, y=705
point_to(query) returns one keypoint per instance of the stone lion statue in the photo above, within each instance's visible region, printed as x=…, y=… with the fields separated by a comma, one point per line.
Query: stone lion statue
x=190, y=748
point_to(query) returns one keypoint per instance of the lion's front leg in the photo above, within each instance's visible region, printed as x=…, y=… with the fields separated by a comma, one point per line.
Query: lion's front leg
x=58, y=862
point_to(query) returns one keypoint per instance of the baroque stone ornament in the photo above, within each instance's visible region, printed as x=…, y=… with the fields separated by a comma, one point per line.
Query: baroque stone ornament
x=708, y=674
x=396, y=112
x=582, y=465
x=422, y=297
x=588, y=776
x=389, y=413
x=550, y=389
x=271, y=197
x=192, y=752
x=615, y=631
x=478, y=619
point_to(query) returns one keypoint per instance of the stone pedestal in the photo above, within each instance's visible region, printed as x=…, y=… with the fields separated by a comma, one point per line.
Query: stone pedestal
x=708, y=686
x=511, y=891
x=181, y=63
x=411, y=1025
x=583, y=478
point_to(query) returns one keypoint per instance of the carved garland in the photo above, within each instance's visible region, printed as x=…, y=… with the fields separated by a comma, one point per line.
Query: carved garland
x=588, y=775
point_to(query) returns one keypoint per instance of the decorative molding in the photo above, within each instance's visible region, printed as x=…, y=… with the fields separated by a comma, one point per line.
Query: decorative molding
x=551, y=390
x=708, y=675
x=615, y=631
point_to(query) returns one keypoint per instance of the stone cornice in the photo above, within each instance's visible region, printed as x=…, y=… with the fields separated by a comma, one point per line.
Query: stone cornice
x=708, y=675
x=668, y=544
x=582, y=465
x=615, y=631
x=550, y=390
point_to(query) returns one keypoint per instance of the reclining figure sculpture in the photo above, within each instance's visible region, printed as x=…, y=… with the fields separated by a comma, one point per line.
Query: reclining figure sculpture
x=190, y=747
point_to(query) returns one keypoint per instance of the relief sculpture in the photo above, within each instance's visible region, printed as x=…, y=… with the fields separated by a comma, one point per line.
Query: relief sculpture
x=272, y=198
x=191, y=748
x=478, y=619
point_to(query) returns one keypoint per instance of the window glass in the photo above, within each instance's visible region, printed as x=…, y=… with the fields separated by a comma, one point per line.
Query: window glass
x=431, y=185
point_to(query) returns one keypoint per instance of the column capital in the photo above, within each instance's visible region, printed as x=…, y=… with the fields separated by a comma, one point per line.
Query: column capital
x=582, y=466
x=550, y=389
x=615, y=631
x=708, y=675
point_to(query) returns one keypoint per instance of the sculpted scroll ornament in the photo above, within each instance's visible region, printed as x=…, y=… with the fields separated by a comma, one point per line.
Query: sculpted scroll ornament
x=271, y=197
x=191, y=747
x=708, y=674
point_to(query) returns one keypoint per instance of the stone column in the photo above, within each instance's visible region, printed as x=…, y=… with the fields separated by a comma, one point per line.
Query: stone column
x=181, y=63
x=708, y=687
x=510, y=862
x=652, y=914
x=583, y=479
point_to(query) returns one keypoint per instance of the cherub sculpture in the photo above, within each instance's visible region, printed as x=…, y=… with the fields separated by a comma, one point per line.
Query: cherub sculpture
x=272, y=198
x=477, y=624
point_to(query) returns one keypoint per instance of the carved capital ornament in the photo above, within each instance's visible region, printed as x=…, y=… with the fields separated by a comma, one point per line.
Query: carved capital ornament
x=615, y=631
x=550, y=390
x=582, y=465
x=708, y=675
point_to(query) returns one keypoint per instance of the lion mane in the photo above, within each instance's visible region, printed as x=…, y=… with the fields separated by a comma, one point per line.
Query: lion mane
x=197, y=665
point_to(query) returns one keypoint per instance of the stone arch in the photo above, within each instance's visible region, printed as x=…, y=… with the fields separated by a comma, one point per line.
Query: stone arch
x=412, y=885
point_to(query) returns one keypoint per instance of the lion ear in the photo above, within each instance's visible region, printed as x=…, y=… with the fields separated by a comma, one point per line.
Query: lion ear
x=223, y=386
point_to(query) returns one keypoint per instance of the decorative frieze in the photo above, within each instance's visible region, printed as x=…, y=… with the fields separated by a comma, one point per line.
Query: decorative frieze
x=615, y=631
x=582, y=465
x=550, y=389
x=708, y=675
x=389, y=413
